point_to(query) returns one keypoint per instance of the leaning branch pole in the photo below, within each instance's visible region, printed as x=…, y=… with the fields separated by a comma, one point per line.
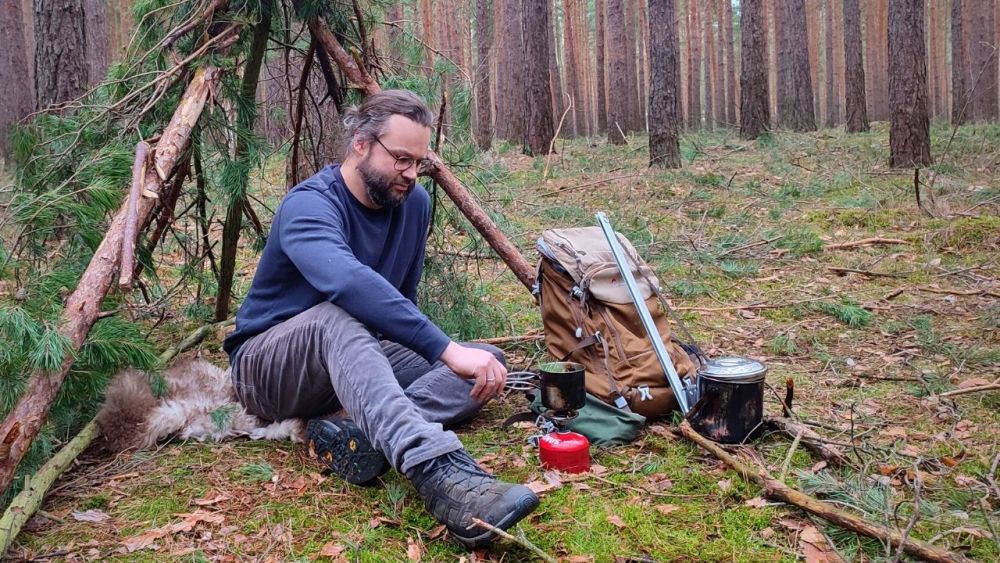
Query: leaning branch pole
x=83, y=306
x=778, y=490
x=450, y=183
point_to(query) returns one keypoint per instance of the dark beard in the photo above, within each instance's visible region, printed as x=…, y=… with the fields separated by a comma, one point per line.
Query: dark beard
x=380, y=190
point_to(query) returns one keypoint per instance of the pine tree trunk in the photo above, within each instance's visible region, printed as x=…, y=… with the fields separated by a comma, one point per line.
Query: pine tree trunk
x=708, y=47
x=539, y=94
x=832, y=103
x=856, y=108
x=599, y=68
x=664, y=85
x=575, y=116
x=511, y=111
x=581, y=49
x=694, y=67
x=95, y=25
x=732, y=86
x=631, y=71
x=813, y=46
x=796, y=112
x=245, y=122
x=782, y=65
x=427, y=34
x=484, y=103
x=618, y=91
x=909, y=132
x=555, y=80
x=876, y=65
x=959, y=62
x=719, y=60
x=755, y=114
x=15, y=92
x=61, y=70
x=644, y=70
x=984, y=61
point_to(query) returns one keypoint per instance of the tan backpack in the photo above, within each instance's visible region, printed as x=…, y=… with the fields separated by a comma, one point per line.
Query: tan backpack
x=590, y=318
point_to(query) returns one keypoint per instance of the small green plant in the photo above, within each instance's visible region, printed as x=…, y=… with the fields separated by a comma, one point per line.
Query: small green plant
x=800, y=241
x=738, y=268
x=847, y=312
x=258, y=472
x=782, y=345
x=687, y=288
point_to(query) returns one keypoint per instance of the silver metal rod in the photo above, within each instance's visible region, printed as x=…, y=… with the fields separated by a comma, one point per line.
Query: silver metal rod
x=647, y=320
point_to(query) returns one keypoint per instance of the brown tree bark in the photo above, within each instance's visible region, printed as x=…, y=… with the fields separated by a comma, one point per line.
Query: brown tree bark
x=510, y=102
x=796, y=109
x=909, y=132
x=708, y=48
x=814, y=49
x=571, y=63
x=719, y=67
x=634, y=118
x=601, y=107
x=82, y=309
x=539, y=95
x=781, y=62
x=98, y=47
x=15, y=91
x=642, y=48
x=856, y=107
x=755, y=114
x=484, y=103
x=732, y=86
x=61, y=70
x=664, y=85
x=959, y=63
x=555, y=78
x=876, y=63
x=832, y=105
x=983, y=57
x=438, y=171
x=694, y=67
x=618, y=91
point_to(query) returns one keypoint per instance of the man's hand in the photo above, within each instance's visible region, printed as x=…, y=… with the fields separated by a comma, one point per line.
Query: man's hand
x=480, y=365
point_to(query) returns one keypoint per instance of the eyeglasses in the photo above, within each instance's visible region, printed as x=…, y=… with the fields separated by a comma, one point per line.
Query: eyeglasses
x=404, y=163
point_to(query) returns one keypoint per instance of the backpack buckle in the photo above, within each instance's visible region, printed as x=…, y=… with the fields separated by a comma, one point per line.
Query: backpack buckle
x=620, y=402
x=644, y=394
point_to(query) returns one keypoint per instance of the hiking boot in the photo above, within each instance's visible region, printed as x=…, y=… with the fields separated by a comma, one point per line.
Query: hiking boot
x=339, y=444
x=456, y=490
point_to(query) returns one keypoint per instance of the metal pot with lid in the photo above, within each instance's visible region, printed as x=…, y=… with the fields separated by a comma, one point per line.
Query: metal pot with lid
x=731, y=405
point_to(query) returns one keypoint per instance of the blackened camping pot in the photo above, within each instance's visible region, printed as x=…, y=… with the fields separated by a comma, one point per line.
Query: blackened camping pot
x=731, y=407
x=563, y=386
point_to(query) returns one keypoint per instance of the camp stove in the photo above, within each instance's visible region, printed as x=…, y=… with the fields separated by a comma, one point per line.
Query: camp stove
x=563, y=394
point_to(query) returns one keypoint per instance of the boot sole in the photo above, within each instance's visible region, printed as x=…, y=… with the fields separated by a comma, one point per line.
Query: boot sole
x=523, y=506
x=345, y=450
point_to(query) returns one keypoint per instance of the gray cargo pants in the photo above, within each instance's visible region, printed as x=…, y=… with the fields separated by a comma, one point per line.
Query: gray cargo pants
x=323, y=359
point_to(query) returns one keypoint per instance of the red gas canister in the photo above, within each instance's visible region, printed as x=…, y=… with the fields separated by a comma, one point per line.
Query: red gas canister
x=565, y=451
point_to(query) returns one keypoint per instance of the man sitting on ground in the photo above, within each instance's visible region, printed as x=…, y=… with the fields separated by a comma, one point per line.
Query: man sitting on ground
x=331, y=325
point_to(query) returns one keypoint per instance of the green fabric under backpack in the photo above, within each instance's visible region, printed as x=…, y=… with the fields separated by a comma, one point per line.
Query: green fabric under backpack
x=601, y=423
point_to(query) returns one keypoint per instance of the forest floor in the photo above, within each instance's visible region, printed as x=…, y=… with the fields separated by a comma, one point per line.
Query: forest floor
x=741, y=237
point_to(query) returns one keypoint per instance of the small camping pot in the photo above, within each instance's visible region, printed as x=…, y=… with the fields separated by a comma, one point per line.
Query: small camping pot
x=731, y=408
x=563, y=386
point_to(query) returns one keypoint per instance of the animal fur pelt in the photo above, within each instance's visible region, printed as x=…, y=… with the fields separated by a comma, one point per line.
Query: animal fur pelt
x=199, y=404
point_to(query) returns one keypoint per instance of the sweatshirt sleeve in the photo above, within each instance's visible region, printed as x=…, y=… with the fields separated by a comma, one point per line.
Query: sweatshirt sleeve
x=312, y=235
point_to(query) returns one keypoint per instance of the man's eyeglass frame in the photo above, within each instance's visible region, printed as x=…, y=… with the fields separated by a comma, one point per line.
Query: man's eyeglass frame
x=403, y=163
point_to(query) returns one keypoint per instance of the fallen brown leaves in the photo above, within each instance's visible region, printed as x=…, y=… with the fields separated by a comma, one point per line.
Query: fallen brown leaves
x=188, y=523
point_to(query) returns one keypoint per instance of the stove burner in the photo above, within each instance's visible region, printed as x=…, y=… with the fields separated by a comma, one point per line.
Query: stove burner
x=560, y=418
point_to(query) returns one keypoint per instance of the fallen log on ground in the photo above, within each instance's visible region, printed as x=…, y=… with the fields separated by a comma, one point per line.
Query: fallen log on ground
x=83, y=306
x=451, y=185
x=780, y=491
x=27, y=502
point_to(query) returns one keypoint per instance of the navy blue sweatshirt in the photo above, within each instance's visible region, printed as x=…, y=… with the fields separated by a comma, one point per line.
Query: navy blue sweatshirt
x=325, y=245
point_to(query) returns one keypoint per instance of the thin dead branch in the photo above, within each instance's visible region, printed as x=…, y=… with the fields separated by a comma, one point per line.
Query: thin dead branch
x=523, y=542
x=131, y=217
x=864, y=242
x=780, y=491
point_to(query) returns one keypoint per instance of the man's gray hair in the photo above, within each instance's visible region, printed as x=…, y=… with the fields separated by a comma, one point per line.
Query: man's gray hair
x=366, y=122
